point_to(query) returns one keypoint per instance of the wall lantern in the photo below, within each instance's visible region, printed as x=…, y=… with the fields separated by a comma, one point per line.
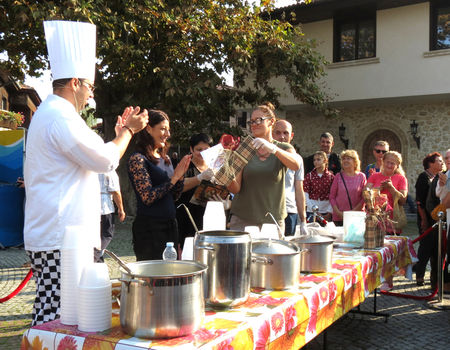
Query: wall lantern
x=416, y=138
x=342, y=134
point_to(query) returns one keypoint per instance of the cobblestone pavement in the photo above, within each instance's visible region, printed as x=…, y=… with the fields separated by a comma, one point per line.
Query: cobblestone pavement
x=412, y=324
x=15, y=314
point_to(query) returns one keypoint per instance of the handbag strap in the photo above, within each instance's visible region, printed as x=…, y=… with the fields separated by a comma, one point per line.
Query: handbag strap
x=346, y=190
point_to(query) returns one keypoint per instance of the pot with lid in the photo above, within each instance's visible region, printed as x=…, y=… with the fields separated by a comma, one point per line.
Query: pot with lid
x=228, y=256
x=275, y=264
x=318, y=252
x=162, y=299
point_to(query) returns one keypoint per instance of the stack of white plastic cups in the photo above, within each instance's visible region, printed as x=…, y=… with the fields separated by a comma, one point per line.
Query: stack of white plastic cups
x=94, y=302
x=214, y=217
x=254, y=232
x=76, y=253
x=188, y=249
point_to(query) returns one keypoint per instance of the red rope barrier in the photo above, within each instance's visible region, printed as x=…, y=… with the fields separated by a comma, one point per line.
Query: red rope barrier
x=426, y=233
x=19, y=288
x=415, y=297
x=422, y=297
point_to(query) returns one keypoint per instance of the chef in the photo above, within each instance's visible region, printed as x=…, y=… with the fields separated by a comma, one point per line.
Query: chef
x=64, y=157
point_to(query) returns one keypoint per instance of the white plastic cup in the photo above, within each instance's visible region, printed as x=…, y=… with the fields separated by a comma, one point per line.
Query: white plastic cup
x=95, y=275
x=188, y=249
x=69, y=314
x=95, y=293
x=76, y=252
x=94, y=307
x=214, y=217
x=269, y=231
x=254, y=231
x=97, y=326
x=76, y=237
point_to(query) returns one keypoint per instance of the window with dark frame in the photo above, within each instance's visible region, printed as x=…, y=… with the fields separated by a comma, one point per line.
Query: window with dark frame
x=242, y=120
x=354, y=39
x=440, y=25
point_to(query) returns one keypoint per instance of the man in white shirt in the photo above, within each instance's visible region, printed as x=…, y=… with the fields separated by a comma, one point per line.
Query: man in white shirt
x=295, y=196
x=110, y=194
x=63, y=158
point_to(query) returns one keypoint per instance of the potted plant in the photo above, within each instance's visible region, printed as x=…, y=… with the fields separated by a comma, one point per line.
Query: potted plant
x=11, y=120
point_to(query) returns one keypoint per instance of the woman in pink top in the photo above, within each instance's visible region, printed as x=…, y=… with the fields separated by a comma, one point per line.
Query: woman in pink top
x=347, y=187
x=391, y=179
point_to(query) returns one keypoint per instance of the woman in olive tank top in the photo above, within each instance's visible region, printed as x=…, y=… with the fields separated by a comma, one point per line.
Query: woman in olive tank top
x=259, y=187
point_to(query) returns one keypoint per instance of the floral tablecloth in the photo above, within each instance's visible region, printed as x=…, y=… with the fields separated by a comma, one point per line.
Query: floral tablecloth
x=269, y=319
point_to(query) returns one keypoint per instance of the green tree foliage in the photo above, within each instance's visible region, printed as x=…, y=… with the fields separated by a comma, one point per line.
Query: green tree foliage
x=170, y=54
x=88, y=114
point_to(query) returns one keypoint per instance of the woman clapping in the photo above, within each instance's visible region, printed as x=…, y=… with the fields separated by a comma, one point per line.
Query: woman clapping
x=156, y=185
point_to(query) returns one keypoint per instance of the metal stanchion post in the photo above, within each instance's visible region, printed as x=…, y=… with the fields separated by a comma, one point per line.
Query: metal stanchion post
x=440, y=271
x=440, y=268
x=315, y=210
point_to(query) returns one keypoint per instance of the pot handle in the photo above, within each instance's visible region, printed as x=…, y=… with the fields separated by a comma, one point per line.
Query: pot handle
x=127, y=282
x=206, y=247
x=139, y=282
x=306, y=250
x=261, y=260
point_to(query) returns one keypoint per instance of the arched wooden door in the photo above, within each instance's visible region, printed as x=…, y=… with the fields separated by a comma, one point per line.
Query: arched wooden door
x=378, y=135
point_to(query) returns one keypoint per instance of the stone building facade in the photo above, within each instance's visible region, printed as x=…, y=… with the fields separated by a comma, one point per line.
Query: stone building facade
x=367, y=124
x=402, y=77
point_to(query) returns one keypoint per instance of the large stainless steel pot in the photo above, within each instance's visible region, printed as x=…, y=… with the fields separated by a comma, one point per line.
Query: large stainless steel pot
x=275, y=264
x=162, y=299
x=228, y=257
x=318, y=252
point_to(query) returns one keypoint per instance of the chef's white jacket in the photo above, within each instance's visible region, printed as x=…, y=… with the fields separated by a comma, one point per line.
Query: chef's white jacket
x=63, y=159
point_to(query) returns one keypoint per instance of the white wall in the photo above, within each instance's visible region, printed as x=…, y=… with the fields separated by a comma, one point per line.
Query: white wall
x=402, y=38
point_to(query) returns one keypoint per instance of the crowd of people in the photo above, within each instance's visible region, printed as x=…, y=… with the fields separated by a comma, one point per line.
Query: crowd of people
x=274, y=181
x=64, y=158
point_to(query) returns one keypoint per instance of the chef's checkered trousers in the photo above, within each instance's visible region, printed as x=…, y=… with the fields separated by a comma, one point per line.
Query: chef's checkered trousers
x=46, y=268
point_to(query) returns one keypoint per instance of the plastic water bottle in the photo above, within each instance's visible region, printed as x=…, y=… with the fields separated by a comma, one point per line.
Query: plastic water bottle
x=169, y=253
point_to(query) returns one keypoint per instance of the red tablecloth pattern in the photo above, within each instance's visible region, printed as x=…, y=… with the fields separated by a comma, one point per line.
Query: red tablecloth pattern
x=269, y=319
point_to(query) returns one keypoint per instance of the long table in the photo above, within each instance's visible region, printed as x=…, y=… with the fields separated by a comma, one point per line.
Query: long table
x=279, y=319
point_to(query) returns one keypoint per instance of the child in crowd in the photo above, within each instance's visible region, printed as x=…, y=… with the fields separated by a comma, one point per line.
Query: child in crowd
x=317, y=186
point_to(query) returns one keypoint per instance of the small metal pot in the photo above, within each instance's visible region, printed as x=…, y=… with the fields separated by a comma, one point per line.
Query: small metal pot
x=162, y=299
x=275, y=264
x=228, y=256
x=318, y=252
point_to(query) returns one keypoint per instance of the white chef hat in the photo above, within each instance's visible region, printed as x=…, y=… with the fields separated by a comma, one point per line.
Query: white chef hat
x=71, y=49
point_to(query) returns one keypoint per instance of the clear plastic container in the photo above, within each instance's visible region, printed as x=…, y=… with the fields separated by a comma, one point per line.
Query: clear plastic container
x=169, y=253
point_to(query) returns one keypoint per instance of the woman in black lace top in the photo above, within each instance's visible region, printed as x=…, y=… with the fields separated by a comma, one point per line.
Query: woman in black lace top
x=156, y=185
